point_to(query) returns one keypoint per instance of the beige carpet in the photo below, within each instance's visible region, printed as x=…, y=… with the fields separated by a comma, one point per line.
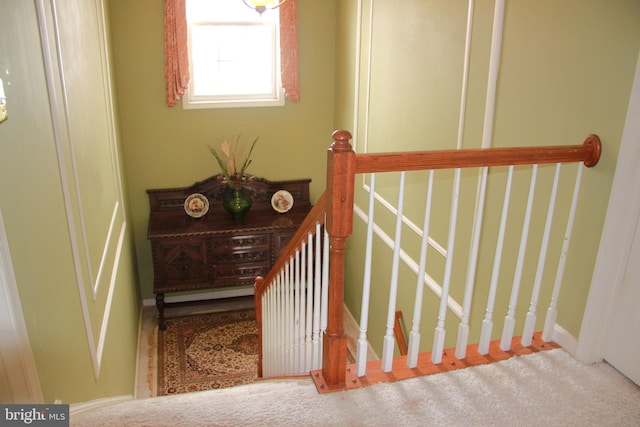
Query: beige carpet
x=544, y=389
x=207, y=351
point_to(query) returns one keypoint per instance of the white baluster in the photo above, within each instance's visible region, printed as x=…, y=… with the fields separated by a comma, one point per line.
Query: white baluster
x=316, y=301
x=463, y=328
x=281, y=326
x=269, y=337
x=289, y=315
x=530, y=319
x=309, y=308
x=300, y=311
x=277, y=327
x=362, y=348
x=487, y=323
x=510, y=321
x=439, y=334
x=272, y=343
x=282, y=319
x=552, y=312
x=266, y=330
x=414, y=335
x=389, y=339
x=295, y=294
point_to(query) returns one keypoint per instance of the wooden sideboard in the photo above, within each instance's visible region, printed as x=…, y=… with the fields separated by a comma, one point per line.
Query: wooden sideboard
x=216, y=251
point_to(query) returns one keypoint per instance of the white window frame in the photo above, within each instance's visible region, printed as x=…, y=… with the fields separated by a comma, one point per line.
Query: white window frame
x=275, y=99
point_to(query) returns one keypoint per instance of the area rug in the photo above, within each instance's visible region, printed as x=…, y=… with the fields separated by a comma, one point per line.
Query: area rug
x=207, y=351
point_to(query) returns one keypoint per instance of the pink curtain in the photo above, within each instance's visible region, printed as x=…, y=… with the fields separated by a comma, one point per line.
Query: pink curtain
x=176, y=55
x=289, y=50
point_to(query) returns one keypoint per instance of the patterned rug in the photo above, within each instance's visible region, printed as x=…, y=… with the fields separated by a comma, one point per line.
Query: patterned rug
x=207, y=351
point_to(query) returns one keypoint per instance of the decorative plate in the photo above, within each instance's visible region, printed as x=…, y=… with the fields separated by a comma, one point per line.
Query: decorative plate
x=196, y=205
x=282, y=201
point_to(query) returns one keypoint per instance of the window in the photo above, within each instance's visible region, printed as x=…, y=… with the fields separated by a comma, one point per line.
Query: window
x=234, y=56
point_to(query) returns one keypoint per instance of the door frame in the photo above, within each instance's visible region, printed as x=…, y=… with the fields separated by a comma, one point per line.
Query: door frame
x=17, y=366
x=615, y=245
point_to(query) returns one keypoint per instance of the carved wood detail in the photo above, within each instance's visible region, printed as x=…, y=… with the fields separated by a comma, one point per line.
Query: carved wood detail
x=215, y=251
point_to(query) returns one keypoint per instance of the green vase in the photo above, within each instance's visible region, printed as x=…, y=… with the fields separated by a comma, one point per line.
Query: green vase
x=237, y=203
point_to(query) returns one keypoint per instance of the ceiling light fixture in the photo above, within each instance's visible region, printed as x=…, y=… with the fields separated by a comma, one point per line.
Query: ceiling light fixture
x=262, y=5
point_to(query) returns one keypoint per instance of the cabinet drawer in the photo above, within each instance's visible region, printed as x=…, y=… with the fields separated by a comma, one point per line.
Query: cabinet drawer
x=251, y=248
x=235, y=256
x=243, y=242
x=239, y=274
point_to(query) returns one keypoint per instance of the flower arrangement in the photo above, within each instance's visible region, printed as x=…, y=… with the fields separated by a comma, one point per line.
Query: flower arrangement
x=227, y=157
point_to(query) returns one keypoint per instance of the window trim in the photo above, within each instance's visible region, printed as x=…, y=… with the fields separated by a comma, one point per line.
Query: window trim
x=276, y=99
x=176, y=62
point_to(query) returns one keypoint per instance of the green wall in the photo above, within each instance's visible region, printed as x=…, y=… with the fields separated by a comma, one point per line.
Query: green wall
x=167, y=147
x=566, y=70
x=71, y=331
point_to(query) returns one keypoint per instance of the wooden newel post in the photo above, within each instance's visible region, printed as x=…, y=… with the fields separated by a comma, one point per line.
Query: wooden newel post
x=339, y=225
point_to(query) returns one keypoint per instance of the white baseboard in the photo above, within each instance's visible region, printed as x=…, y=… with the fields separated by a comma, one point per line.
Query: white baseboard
x=240, y=292
x=352, y=329
x=565, y=339
x=76, y=408
x=139, y=351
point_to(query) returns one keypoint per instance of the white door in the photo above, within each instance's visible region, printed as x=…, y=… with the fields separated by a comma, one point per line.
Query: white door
x=611, y=325
x=623, y=342
x=623, y=345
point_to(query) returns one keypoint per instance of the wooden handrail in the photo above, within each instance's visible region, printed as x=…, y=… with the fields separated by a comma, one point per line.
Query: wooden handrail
x=337, y=203
x=588, y=152
x=342, y=166
x=295, y=243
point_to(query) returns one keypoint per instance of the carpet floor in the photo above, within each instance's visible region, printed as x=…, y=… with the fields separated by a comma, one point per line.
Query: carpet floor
x=207, y=351
x=549, y=388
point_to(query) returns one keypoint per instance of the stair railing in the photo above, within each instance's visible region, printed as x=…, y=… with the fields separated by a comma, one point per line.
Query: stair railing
x=333, y=215
x=291, y=302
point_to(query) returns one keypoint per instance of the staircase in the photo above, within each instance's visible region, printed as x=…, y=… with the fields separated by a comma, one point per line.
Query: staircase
x=299, y=304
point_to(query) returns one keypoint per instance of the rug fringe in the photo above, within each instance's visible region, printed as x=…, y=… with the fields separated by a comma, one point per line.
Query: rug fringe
x=152, y=359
